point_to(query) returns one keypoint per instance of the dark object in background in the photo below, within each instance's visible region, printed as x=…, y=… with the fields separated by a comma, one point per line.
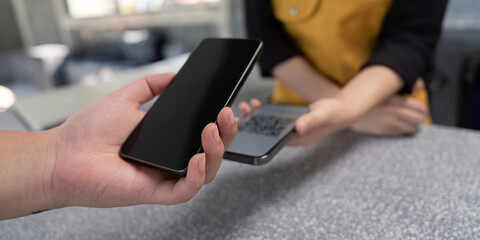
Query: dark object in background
x=113, y=49
x=469, y=102
x=18, y=68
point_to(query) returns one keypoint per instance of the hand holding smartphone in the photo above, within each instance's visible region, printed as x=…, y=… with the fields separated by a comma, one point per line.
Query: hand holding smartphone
x=169, y=134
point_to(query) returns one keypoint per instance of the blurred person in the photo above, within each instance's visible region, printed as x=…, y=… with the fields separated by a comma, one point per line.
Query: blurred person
x=78, y=163
x=351, y=61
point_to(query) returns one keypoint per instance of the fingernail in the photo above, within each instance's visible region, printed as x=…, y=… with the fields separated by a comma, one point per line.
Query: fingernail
x=216, y=135
x=231, y=118
x=201, y=164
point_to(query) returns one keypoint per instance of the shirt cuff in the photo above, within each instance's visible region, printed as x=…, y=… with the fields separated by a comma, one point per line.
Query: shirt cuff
x=275, y=53
x=408, y=63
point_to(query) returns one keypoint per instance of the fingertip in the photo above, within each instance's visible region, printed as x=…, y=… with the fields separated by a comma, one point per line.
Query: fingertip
x=419, y=85
x=244, y=108
x=227, y=113
x=227, y=127
x=256, y=104
x=210, y=134
x=163, y=78
x=242, y=103
x=302, y=125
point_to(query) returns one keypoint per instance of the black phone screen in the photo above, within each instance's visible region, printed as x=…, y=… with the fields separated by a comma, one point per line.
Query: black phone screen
x=170, y=133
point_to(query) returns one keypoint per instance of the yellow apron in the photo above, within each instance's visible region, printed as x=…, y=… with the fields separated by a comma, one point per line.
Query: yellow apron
x=336, y=36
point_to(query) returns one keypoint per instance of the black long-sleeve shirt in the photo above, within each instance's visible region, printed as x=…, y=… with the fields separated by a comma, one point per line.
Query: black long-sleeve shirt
x=406, y=42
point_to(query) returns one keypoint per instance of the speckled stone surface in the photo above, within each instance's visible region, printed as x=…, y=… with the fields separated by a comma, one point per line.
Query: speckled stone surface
x=348, y=186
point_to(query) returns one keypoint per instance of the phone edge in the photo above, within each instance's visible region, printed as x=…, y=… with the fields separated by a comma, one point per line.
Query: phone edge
x=263, y=159
x=245, y=74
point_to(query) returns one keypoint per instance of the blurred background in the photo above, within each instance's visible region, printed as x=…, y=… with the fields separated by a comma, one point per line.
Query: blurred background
x=58, y=55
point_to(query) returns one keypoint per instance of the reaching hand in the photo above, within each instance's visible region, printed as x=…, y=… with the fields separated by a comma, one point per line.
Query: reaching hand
x=325, y=117
x=88, y=171
x=397, y=116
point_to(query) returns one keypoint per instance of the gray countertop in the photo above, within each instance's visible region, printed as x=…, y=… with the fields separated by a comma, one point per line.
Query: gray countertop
x=348, y=186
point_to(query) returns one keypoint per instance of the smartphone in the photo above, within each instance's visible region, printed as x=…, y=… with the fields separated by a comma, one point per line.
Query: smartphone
x=263, y=133
x=170, y=133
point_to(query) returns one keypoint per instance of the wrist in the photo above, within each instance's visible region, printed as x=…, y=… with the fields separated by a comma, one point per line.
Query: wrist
x=303, y=78
x=27, y=163
x=39, y=177
x=348, y=113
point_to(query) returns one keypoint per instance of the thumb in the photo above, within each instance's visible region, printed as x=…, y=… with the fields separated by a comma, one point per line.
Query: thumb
x=310, y=121
x=144, y=89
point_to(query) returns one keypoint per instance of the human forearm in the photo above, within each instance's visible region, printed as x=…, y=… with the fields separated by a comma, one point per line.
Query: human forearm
x=78, y=163
x=299, y=75
x=26, y=165
x=367, y=89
